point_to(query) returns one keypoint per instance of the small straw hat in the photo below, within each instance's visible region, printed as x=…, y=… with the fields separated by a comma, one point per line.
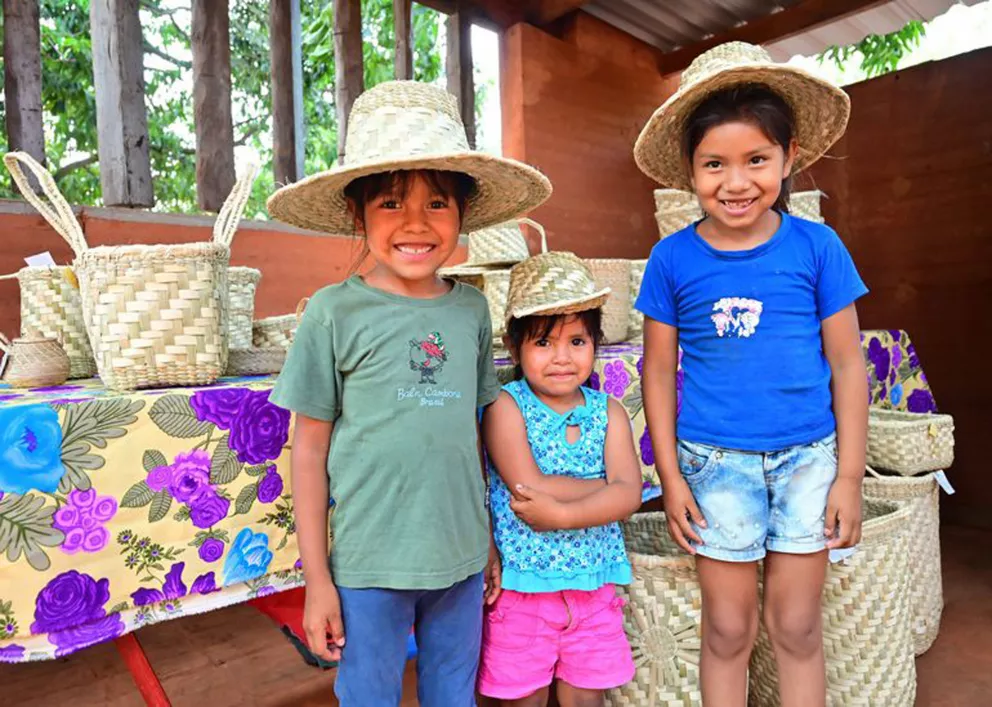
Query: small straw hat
x=552, y=283
x=406, y=125
x=821, y=109
x=495, y=248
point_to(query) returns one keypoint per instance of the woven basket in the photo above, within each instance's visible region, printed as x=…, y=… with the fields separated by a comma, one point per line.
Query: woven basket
x=615, y=274
x=33, y=362
x=806, y=204
x=922, y=495
x=51, y=308
x=668, y=199
x=675, y=220
x=156, y=316
x=255, y=362
x=909, y=443
x=241, y=286
x=867, y=621
x=278, y=331
x=662, y=619
x=635, y=323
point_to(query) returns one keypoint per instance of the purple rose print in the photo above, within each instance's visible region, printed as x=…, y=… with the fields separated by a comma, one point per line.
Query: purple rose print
x=218, y=406
x=190, y=476
x=640, y=366
x=265, y=591
x=647, y=451
x=57, y=389
x=82, y=520
x=211, y=550
x=11, y=654
x=895, y=334
x=914, y=360
x=260, y=429
x=593, y=381
x=921, y=401
x=159, y=478
x=173, y=587
x=70, y=608
x=617, y=379
x=896, y=356
x=879, y=357
x=208, y=509
x=270, y=487
x=679, y=385
x=883, y=393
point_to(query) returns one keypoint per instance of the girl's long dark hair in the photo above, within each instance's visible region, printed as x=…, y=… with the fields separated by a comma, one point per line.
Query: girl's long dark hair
x=540, y=327
x=755, y=104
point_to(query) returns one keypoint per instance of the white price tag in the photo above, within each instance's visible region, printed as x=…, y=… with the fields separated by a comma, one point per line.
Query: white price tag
x=41, y=259
x=944, y=483
x=840, y=554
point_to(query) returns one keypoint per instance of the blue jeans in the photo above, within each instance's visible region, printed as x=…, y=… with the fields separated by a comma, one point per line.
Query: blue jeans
x=448, y=624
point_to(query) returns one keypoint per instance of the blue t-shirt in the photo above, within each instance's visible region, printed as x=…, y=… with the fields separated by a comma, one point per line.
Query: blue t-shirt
x=756, y=377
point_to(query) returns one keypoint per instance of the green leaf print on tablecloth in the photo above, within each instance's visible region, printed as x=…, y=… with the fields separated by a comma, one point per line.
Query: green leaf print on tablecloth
x=88, y=425
x=27, y=526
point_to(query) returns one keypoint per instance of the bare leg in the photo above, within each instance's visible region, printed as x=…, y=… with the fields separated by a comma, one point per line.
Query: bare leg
x=538, y=699
x=569, y=696
x=730, y=625
x=794, y=618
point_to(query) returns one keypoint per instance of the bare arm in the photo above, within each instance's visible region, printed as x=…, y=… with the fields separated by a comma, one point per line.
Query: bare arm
x=505, y=434
x=311, y=442
x=849, y=383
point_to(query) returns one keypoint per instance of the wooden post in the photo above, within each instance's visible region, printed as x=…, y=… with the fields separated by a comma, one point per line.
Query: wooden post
x=458, y=67
x=22, y=77
x=121, y=120
x=286, y=61
x=349, y=68
x=211, y=43
x=404, y=39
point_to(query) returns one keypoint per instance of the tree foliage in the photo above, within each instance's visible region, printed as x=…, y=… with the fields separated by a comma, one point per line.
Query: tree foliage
x=880, y=53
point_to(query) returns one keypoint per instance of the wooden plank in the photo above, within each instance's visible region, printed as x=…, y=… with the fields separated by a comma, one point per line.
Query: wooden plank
x=211, y=43
x=348, y=64
x=404, y=40
x=286, y=61
x=497, y=15
x=802, y=17
x=22, y=77
x=458, y=67
x=121, y=119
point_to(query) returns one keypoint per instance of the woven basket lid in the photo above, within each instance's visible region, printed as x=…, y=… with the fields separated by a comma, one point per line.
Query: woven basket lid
x=406, y=125
x=821, y=109
x=496, y=248
x=552, y=283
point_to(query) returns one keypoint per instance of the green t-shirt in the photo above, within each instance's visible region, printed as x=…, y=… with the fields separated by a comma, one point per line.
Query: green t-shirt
x=402, y=380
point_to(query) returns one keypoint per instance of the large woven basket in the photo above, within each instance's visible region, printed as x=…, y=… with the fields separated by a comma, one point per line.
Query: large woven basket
x=241, y=286
x=806, y=204
x=635, y=323
x=909, y=443
x=674, y=220
x=156, y=315
x=867, y=621
x=51, y=308
x=668, y=199
x=662, y=619
x=922, y=495
x=33, y=362
x=615, y=274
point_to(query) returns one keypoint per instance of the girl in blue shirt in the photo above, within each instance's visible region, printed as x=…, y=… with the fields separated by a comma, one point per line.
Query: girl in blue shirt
x=765, y=459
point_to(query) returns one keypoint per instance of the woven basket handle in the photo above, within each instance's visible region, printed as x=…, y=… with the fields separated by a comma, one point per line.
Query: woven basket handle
x=234, y=206
x=4, y=343
x=58, y=213
x=302, y=305
x=539, y=228
x=873, y=472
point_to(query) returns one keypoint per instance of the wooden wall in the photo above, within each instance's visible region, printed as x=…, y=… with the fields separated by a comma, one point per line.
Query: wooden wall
x=573, y=106
x=910, y=195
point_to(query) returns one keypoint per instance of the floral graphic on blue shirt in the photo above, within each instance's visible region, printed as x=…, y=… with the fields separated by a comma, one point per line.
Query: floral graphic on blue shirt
x=736, y=316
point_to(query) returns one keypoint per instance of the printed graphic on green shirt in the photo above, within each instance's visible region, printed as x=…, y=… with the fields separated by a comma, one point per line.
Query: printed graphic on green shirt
x=427, y=357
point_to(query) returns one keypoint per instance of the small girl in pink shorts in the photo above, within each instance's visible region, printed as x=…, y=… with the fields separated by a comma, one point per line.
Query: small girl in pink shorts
x=563, y=473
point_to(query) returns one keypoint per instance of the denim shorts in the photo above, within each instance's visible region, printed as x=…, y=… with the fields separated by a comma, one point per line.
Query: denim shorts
x=755, y=502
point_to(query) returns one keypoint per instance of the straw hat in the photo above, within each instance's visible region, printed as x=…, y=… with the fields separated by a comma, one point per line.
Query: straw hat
x=495, y=248
x=406, y=125
x=821, y=109
x=552, y=283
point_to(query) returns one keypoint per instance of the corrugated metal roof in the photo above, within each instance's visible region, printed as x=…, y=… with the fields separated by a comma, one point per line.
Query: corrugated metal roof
x=670, y=24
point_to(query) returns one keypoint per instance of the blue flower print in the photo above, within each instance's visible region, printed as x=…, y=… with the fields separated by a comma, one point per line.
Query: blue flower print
x=895, y=395
x=249, y=557
x=30, y=449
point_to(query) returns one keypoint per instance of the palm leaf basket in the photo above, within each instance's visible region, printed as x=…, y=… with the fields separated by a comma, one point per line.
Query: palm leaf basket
x=909, y=443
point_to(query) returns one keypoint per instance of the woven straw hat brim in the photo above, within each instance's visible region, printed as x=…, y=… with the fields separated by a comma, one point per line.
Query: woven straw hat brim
x=506, y=190
x=568, y=306
x=820, y=108
x=482, y=269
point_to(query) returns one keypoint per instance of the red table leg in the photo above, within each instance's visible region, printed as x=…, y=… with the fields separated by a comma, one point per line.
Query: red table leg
x=141, y=671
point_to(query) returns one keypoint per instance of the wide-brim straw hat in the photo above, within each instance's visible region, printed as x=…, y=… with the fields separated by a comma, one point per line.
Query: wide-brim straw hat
x=552, y=283
x=821, y=109
x=496, y=248
x=407, y=125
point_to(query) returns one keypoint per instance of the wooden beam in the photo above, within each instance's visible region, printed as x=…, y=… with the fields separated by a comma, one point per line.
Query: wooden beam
x=802, y=17
x=211, y=43
x=458, y=67
x=22, y=78
x=121, y=119
x=286, y=72
x=403, y=64
x=547, y=11
x=348, y=64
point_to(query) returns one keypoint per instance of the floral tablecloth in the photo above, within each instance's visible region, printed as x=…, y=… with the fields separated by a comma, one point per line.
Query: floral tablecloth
x=123, y=510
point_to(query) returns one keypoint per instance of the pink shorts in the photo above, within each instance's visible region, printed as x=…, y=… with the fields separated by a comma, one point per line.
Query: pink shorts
x=575, y=636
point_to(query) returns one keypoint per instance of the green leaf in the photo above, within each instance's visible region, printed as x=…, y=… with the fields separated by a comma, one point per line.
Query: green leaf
x=27, y=526
x=246, y=499
x=160, y=506
x=138, y=495
x=256, y=470
x=634, y=401
x=182, y=514
x=224, y=465
x=118, y=608
x=153, y=459
x=88, y=425
x=175, y=417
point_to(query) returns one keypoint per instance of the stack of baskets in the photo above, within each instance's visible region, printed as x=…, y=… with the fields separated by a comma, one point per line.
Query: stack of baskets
x=675, y=209
x=154, y=316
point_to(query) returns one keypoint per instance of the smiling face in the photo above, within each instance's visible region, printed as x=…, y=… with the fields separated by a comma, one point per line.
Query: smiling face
x=556, y=358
